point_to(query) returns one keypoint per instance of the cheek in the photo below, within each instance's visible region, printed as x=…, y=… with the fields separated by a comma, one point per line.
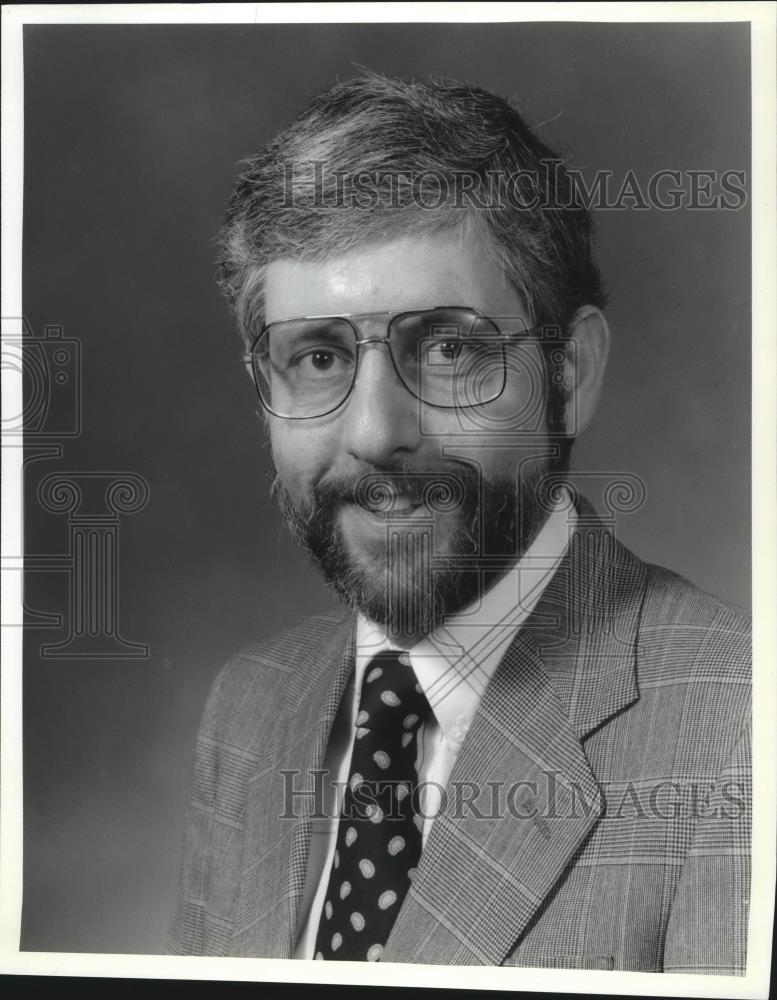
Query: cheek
x=300, y=455
x=289, y=456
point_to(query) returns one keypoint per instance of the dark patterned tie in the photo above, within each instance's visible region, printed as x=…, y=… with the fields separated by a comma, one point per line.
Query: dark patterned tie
x=379, y=837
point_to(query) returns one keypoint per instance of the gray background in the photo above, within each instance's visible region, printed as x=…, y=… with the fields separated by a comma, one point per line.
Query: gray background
x=131, y=138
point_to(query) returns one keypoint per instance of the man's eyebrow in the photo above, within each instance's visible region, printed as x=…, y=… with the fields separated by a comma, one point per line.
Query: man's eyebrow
x=320, y=332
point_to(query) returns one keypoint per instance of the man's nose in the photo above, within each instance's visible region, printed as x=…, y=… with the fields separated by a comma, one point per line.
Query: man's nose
x=382, y=418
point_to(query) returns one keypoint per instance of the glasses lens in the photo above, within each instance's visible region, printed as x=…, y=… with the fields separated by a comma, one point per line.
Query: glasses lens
x=449, y=357
x=305, y=368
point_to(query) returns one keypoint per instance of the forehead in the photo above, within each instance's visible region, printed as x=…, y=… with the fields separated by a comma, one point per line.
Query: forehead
x=448, y=268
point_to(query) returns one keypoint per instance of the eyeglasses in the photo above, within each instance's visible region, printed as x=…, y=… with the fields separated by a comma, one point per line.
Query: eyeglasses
x=447, y=356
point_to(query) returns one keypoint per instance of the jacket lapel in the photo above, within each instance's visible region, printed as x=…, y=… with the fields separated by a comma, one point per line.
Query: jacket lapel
x=278, y=828
x=312, y=724
x=521, y=798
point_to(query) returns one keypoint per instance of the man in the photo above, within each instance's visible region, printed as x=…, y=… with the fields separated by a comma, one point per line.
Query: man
x=519, y=744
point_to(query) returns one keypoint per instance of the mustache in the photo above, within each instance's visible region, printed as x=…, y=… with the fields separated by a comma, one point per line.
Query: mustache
x=457, y=488
x=440, y=490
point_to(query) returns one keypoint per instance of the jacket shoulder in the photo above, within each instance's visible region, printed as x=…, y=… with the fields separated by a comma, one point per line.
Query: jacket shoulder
x=280, y=651
x=688, y=636
x=256, y=676
x=672, y=599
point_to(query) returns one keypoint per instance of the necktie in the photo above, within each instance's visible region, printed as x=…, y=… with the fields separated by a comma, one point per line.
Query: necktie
x=379, y=837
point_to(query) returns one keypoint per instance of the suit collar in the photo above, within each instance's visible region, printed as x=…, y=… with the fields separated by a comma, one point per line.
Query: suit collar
x=584, y=629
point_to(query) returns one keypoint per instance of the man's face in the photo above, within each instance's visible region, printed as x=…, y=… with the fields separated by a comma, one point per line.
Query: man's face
x=409, y=567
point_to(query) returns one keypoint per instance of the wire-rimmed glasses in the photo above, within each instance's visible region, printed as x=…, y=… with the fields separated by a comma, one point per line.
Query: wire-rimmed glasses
x=446, y=356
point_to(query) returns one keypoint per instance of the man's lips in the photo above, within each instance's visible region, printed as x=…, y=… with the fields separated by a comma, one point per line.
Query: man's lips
x=397, y=504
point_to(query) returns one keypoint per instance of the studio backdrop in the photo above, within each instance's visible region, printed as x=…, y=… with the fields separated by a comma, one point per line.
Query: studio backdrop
x=154, y=548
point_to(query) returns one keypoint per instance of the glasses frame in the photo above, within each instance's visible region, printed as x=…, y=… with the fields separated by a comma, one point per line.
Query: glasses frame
x=249, y=357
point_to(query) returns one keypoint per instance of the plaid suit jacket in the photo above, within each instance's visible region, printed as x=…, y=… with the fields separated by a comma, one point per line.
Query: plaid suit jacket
x=598, y=814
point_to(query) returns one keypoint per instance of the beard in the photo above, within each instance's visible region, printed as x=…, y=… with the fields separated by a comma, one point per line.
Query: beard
x=460, y=533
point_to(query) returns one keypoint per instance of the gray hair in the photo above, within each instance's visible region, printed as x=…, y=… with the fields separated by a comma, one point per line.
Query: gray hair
x=375, y=157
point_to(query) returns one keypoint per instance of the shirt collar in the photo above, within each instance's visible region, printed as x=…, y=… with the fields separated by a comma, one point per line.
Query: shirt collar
x=455, y=662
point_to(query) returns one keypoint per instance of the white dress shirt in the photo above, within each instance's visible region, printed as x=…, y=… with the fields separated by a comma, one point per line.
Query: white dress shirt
x=453, y=666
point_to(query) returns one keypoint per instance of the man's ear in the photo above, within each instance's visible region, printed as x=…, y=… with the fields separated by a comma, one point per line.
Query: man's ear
x=587, y=351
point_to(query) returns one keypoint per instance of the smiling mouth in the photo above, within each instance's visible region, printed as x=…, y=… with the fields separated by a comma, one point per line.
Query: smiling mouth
x=404, y=504
x=395, y=504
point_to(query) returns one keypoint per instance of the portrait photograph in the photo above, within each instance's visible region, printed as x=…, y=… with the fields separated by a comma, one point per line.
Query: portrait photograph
x=388, y=495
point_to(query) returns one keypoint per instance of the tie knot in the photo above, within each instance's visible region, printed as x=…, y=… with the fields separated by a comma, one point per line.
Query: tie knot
x=391, y=697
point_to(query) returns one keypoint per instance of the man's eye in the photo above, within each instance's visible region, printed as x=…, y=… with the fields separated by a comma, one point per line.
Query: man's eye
x=321, y=362
x=443, y=352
